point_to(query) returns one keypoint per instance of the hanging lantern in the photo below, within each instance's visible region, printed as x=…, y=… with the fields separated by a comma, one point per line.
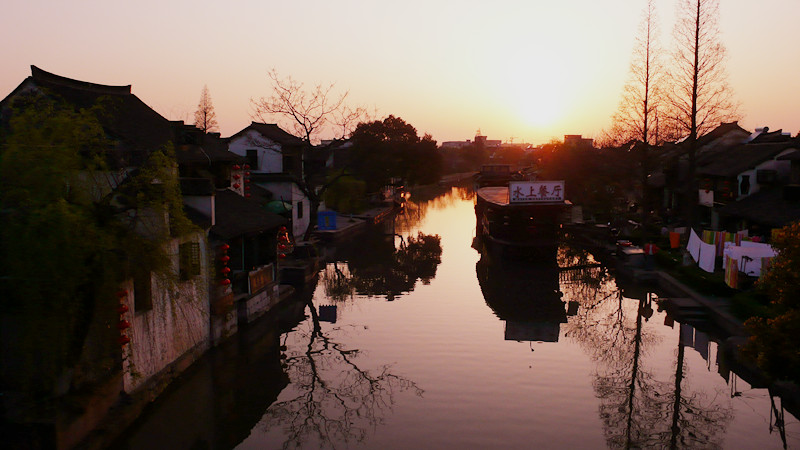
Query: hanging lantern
x=236, y=186
x=236, y=167
x=236, y=176
x=225, y=282
x=224, y=247
x=247, y=166
x=247, y=188
x=225, y=259
x=123, y=309
x=247, y=174
x=247, y=195
x=246, y=181
x=226, y=270
x=123, y=324
x=123, y=340
x=122, y=293
x=281, y=255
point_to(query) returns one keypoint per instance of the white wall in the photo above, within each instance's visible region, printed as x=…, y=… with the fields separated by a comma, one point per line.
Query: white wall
x=270, y=158
x=300, y=218
x=178, y=323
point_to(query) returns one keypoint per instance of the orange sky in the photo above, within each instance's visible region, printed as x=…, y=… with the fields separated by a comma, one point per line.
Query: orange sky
x=524, y=69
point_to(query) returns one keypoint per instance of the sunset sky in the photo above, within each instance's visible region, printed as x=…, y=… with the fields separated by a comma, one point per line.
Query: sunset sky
x=530, y=70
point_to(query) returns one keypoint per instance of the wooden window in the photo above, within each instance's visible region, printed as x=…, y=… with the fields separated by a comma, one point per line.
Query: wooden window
x=252, y=159
x=142, y=291
x=189, y=260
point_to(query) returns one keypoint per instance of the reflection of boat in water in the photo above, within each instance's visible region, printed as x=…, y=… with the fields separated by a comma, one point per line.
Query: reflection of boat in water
x=522, y=218
x=525, y=295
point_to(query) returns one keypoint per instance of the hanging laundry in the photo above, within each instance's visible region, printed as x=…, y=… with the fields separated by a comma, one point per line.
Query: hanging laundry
x=694, y=246
x=731, y=272
x=708, y=257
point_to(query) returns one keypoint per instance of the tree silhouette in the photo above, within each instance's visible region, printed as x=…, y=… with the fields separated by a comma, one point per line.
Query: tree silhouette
x=205, y=118
x=638, y=409
x=334, y=398
x=635, y=117
x=307, y=113
x=699, y=95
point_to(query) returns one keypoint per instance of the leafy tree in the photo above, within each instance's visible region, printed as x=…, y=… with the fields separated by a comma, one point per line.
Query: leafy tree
x=205, y=118
x=389, y=148
x=698, y=92
x=773, y=344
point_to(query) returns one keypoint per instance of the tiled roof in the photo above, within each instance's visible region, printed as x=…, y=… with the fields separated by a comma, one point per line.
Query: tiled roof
x=768, y=207
x=273, y=132
x=740, y=158
x=239, y=216
x=135, y=127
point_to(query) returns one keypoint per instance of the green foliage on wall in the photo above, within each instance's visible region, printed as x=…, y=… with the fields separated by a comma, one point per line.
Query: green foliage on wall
x=65, y=246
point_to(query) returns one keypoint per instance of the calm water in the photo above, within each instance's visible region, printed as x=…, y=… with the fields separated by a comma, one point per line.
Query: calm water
x=416, y=343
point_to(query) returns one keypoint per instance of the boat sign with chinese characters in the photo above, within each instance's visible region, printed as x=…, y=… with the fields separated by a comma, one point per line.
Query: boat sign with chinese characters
x=536, y=191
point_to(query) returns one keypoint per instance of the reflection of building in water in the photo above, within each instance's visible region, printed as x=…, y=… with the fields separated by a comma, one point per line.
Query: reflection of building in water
x=525, y=295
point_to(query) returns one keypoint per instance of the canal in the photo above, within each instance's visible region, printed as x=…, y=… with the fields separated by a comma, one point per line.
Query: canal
x=411, y=338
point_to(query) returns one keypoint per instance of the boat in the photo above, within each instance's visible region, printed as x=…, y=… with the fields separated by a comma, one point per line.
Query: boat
x=521, y=218
x=493, y=175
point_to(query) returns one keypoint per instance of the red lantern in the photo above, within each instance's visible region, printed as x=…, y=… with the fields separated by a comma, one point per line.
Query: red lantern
x=236, y=167
x=224, y=247
x=236, y=185
x=247, y=174
x=123, y=340
x=123, y=324
x=122, y=309
x=226, y=270
x=236, y=176
x=247, y=188
x=281, y=255
x=225, y=258
x=122, y=293
x=282, y=229
x=225, y=282
x=246, y=181
x=247, y=166
x=247, y=195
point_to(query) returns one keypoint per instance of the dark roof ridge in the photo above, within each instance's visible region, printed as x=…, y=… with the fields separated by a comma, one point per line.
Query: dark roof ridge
x=41, y=75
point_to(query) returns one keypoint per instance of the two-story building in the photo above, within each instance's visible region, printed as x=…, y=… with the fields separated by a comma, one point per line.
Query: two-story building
x=276, y=161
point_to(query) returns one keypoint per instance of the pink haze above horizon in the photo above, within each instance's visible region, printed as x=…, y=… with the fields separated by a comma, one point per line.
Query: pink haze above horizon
x=517, y=70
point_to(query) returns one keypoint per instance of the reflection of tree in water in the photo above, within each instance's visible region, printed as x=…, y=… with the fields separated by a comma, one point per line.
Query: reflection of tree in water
x=384, y=269
x=432, y=198
x=333, y=398
x=638, y=409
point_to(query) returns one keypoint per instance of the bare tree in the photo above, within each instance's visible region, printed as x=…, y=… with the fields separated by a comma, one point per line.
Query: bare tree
x=205, y=118
x=700, y=97
x=634, y=119
x=307, y=113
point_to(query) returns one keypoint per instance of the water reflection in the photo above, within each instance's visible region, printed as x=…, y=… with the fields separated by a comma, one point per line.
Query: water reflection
x=640, y=406
x=525, y=295
x=387, y=269
x=333, y=397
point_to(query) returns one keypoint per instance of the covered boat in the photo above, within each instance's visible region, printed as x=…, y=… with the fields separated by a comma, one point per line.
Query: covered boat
x=523, y=218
